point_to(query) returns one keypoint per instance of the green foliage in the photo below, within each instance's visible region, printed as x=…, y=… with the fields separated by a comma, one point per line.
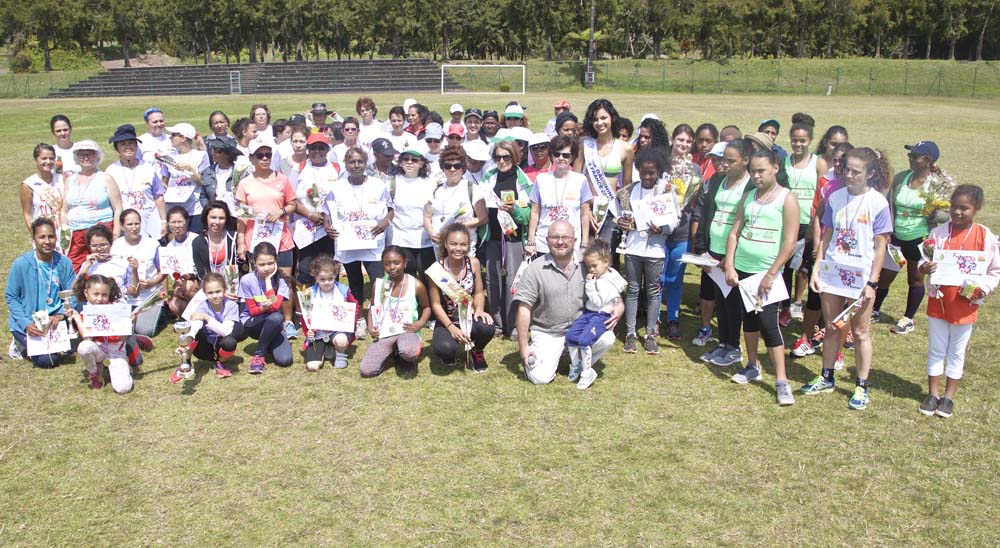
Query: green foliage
x=20, y=62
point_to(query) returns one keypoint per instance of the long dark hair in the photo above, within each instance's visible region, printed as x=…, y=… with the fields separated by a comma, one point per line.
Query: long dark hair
x=588, y=119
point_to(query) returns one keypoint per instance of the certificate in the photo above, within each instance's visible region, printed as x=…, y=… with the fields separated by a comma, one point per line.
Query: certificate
x=718, y=276
x=333, y=316
x=750, y=287
x=264, y=231
x=53, y=342
x=193, y=305
x=107, y=320
x=176, y=259
x=955, y=267
x=842, y=279
x=660, y=210
x=699, y=260
x=306, y=233
x=179, y=191
x=892, y=255
x=354, y=235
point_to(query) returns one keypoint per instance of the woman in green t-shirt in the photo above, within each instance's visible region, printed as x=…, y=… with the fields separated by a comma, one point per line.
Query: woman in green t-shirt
x=909, y=230
x=761, y=241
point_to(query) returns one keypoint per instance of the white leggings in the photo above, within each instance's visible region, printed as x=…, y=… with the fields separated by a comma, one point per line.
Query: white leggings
x=946, y=340
x=93, y=355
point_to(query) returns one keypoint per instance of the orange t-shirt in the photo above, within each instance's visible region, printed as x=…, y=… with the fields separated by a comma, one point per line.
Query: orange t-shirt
x=951, y=307
x=264, y=197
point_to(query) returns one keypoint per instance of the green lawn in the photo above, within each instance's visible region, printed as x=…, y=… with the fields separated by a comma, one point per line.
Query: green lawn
x=661, y=451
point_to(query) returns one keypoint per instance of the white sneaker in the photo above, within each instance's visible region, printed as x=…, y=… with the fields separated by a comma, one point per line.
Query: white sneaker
x=13, y=352
x=796, y=310
x=587, y=378
x=784, y=393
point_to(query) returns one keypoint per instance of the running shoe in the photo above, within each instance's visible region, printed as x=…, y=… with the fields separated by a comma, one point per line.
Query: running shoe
x=631, y=344
x=257, y=364
x=674, y=330
x=817, y=340
x=784, y=317
x=929, y=406
x=96, y=382
x=802, y=348
x=876, y=316
x=13, y=352
x=784, y=393
x=849, y=339
x=818, y=385
x=859, y=400
x=796, y=311
x=703, y=337
x=587, y=378
x=903, y=326
x=650, y=346
x=361, y=329
x=731, y=356
x=221, y=371
x=479, y=364
x=290, y=332
x=945, y=408
x=707, y=356
x=750, y=373
x=340, y=360
x=838, y=364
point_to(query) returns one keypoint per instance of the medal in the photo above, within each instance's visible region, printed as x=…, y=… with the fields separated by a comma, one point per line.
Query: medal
x=48, y=301
x=643, y=233
x=442, y=218
x=748, y=234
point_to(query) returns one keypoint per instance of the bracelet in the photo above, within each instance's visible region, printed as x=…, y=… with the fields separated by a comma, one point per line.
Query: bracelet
x=449, y=325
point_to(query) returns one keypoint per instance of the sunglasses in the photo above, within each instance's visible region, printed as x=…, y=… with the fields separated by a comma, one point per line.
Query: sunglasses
x=318, y=148
x=409, y=159
x=451, y=166
x=454, y=137
x=350, y=129
x=263, y=155
x=567, y=155
x=435, y=141
x=501, y=157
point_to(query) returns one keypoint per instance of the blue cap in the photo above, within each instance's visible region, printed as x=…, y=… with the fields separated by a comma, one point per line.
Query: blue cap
x=925, y=148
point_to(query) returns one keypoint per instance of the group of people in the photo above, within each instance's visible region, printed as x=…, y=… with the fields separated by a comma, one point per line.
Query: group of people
x=477, y=226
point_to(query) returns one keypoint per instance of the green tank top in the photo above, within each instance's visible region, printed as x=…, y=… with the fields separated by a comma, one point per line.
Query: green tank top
x=909, y=223
x=726, y=202
x=760, y=239
x=612, y=163
x=803, y=183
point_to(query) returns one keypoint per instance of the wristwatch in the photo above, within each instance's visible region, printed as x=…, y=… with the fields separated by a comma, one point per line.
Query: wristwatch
x=871, y=284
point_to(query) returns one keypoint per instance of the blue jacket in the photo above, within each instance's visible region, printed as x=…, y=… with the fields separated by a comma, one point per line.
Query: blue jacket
x=23, y=288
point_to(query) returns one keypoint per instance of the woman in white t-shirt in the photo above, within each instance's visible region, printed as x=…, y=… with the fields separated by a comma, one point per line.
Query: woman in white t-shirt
x=457, y=200
x=370, y=128
x=411, y=190
x=62, y=130
x=560, y=195
x=138, y=182
x=142, y=277
x=180, y=241
x=185, y=185
x=261, y=117
x=42, y=193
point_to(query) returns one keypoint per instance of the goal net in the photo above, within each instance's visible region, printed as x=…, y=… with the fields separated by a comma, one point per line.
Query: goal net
x=483, y=79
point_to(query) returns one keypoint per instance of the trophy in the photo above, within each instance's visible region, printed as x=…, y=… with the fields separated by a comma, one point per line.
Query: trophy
x=66, y=295
x=183, y=330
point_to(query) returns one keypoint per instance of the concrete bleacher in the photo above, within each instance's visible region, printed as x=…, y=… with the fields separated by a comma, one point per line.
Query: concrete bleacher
x=262, y=78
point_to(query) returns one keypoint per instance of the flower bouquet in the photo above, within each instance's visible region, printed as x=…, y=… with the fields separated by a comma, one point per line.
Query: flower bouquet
x=927, y=249
x=244, y=212
x=936, y=193
x=164, y=159
x=59, y=167
x=165, y=292
x=844, y=317
x=232, y=274
x=896, y=255
x=684, y=181
x=315, y=196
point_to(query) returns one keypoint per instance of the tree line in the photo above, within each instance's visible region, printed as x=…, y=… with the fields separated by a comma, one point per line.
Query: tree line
x=245, y=30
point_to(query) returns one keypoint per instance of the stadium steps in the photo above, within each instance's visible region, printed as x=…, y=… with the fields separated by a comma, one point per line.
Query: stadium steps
x=305, y=77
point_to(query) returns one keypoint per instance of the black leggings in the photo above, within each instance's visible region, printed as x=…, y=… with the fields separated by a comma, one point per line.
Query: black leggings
x=316, y=351
x=356, y=278
x=765, y=321
x=210, y=352
x=446, y=347
x=728, y=312
x=706, y=291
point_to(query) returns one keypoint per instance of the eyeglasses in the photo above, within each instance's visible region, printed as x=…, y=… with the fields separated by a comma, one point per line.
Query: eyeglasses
x=451, y=166
x=566, y=155
x=434, y=141
x=263, y=155
x=350, y=129
x=105, y=245
x=561, y=238
x=914, y=155
x=409, y=159
x=501, y=157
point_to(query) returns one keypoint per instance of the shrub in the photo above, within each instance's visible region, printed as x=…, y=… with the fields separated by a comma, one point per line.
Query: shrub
x=505, y=88
x=20, y=62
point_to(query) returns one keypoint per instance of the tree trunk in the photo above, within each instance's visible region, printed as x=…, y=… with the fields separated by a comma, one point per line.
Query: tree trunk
x=253, y=51
x=930, y=34
x=657, y=43
x=548, y=46
x=802, y=41
x=298, y=50
x=125, y=52
x=47, y=51
x=829, y=41
x=208, y=51
x=906, y=47
x=878, y=45
x=982, y=33
x=729, y=47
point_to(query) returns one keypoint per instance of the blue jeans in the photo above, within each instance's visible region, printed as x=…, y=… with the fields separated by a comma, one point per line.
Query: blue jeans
x=673, y=277
x=266, y=328
x=44, y=361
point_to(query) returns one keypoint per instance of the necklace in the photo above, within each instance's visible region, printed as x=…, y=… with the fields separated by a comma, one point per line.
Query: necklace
x=359, y=199
x=448, y=195
x=214, y=250
x=49, y=278
x=968, y=232
x=760, y=203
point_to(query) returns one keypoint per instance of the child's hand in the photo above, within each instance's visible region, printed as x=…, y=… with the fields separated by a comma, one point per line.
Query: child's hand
x=927, y=267
x=373, y=331
x=310, y=335
x=133, y=262
x=412, y=327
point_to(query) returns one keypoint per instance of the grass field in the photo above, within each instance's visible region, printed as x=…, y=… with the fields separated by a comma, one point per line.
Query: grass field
x=661, y=451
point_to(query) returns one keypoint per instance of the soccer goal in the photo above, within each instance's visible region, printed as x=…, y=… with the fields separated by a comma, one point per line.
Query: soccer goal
x=483, y=79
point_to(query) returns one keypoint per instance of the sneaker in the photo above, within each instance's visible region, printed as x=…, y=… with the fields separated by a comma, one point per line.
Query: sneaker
x=929, y=406
x=479, y=364
x=731, y=356
x=587, y=378
x=290, y=331
x=838, y=364
x=631, y=344
x=849, y=340
x=145, y=343
x=221, y=371
x=876, y=316
x=784, y=317
x=361, y=328
x=945, y=408
x=703, y=337
x=802, y=348
x=720, y=349
x=13, y=352
x=96, y=382
x=796, y=311
x=859, y=400
x=340, y=360
x=903, y=326
x=817, y=340
x=784, y=393
x=817, y=386
x=650, y=346
x=750, y=373
x=257, y=365
x=574, y=372
x=674, y=330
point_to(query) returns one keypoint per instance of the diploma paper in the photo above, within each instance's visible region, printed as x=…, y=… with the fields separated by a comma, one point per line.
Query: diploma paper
x=841, y=279
x=107, y=320
x=52, y=342
x=332, y=316
x=264, y=231
x=176, y=259
x=660, y=210
x=750, y=287
x=178, y=192
x=718, y=276
x=354, y=235
x=955, y=267
x=305, y=233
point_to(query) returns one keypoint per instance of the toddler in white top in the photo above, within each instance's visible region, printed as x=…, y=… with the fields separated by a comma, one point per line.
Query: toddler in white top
x=603, y=289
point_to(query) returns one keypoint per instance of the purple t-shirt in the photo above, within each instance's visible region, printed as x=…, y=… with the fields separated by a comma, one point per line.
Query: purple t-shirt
x=855, y=221
x=230, y=313
x=251, y=286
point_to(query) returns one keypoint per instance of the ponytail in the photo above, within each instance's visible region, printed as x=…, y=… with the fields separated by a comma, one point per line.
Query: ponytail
x=876, y=166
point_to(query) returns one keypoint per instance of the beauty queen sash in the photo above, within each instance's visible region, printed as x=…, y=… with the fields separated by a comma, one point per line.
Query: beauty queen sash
x=604, y=202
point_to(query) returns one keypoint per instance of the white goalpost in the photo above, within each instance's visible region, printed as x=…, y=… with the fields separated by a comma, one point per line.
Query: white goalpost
x=483, y=79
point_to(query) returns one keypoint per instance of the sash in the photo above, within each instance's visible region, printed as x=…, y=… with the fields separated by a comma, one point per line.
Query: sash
x=454, y=291
x=604, y=203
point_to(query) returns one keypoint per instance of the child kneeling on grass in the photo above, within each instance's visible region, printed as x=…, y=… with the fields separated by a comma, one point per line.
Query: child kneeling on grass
x=263, y=291
x=603, y=289
x=327, y=345
x=95, y=351
x=952, y=310
x=218, y=330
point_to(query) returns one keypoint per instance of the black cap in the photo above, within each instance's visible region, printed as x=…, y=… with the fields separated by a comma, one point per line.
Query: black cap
x=226, y=143
x=124, y=132
x=473, y=112
x=491, y=114
x=384, y=147
x=296, y=119
x=320, y=108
